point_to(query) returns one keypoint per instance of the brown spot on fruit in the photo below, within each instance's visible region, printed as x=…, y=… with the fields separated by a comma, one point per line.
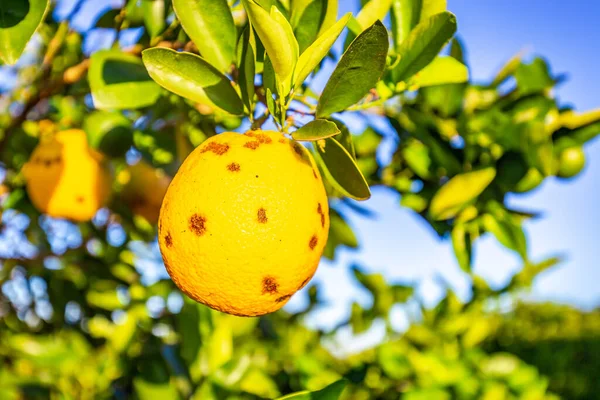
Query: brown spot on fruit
x=283, y=298
x=233, y=167
x=252, y=145
x=168, y=240
x=313, y=242
x=270, y=285
x=79, y=199
x=217, y=148
x=304, y=282
x=198, y=224
x=262, y=216
x=261, y=137
x=48, y=163
x=282, y=140
x=315, y=174
x=320, y=212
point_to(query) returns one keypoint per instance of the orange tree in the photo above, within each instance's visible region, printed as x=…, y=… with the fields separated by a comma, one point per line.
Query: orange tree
x=84, y=309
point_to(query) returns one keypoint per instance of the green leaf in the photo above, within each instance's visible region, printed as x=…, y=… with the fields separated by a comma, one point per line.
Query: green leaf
x=315, y=53
x=442, y=70
x=119, y=80
x=525, y=277
x=277, y=36
x=330, y=16
x=210, y=25
x=154, y=16
x=534, y=77
x=190, y=76
x=423, y=45
x=341, y=169
x=430, y=8
x=508, y=233
x=405, y=15
x=345, y=137
x=330, y=392
x=109, y=132
x=155, y=390
x=357, y=72
x=461, y=243
x=373, y=11
x=19, y=21
x=307, y=28
x=459, y=192
x=316, y=130
x=247, y=67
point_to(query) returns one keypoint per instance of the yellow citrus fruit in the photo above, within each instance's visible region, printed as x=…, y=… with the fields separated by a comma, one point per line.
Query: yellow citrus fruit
x=571, y=162
x=145, y=189
x=65, y=178
x=244, y=222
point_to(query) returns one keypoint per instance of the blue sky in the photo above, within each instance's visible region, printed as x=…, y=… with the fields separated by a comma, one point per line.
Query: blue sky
x=401, y=247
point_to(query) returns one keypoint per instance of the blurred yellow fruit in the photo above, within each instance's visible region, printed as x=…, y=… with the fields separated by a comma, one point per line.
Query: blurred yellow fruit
x=145, y=190
x=244, y=222
x=570, y=162
x=65, y=178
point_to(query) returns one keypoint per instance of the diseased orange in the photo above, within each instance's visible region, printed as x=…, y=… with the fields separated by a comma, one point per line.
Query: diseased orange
x=67, y=179
x=244, y=222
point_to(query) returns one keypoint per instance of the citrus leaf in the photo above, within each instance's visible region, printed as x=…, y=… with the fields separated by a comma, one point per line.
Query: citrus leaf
x=19, y=21
x=341, y=169
x=423, y=44
x=357, y=72
x=210, y=25
x=374, y=10
x=405, y=15
x=306, y=30
x=330, y=392
x=458, y=192
x=461, y=243
x=154, y=16
x=119, y=80
x=109, y=132
x=276, y=35
x=192, y=77
x=509, y=234
x=431, y=7
x=345, y=137
x=442, y=70
x=330, y=16
x=508, y=69
x=247, y=67
x=315, y=130
x=315, y=53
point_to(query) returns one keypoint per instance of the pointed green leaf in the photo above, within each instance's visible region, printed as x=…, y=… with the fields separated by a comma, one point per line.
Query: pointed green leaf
x=344, y=138
x=276, y=35
x=357, y=72
x=442, y=70
x=119, y=80
x=190, y=76
x=247, y=67
x=341, y=169
x=210, y=25
x=154, y=16
x=461, y=243
x=315, y=130
x=574, y=120
x=423, y=45
x=330, y=16
x=459, y=192
x=315, y=53
x=18, y=22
